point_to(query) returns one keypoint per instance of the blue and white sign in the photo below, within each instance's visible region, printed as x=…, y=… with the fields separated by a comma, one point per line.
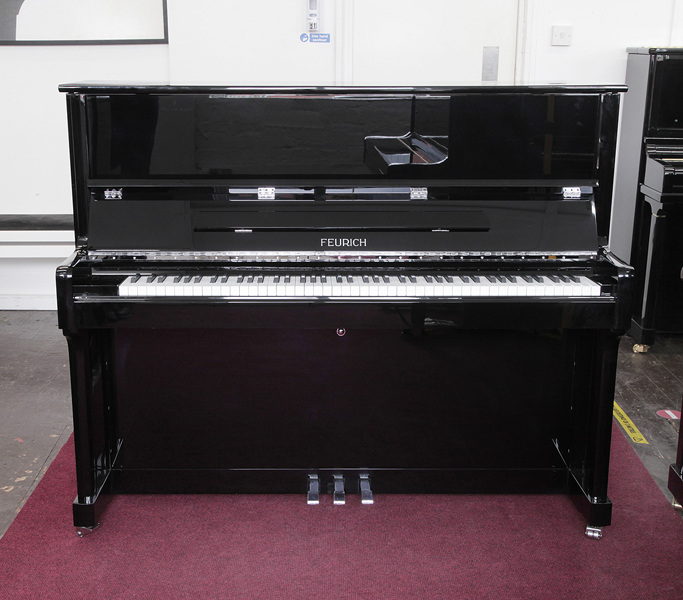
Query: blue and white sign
x=320, y=38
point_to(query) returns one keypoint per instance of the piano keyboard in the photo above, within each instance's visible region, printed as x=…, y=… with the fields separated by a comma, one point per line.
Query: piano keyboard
x=358, y=286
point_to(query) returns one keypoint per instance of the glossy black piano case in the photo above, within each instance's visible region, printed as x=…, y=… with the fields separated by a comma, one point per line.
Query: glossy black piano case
x=450, y=395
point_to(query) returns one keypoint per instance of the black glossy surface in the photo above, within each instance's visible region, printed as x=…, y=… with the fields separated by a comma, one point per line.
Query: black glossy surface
x=451, y=395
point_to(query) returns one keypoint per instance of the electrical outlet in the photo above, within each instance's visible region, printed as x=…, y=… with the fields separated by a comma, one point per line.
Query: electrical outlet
x=562, y=35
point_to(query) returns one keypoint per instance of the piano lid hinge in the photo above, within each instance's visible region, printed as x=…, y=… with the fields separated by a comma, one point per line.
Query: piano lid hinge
x=420, y=193
x=266, y=193
x=571, y=192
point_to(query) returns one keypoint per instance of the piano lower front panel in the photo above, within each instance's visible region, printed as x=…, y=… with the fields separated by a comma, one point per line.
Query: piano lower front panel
x=257, y=410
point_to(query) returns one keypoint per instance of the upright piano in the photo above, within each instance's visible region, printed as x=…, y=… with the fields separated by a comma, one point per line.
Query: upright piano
x=647, y=225
x=328, y=291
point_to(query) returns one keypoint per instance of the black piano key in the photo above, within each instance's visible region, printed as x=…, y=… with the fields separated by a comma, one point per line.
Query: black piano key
x=475, y=278
x=240, y=279
x=340, y=279
x=366, y=279
x=573, y=278
x=177, y=278
x=224, y=279
x=288, y=279
x=554, y=278
x=563, y=278
x=375, y=278
x=492, y=278
x=198, y=279
x=151, y=278
x=537, y=278
x=314, y=278
x=428, y=278
x=449, y=279
x=161, y=278
x=402, y=279
x=386, y=279
x=439, y=279
x=276, y=279
x=349, y=278
x=528, y=278
x=136, y=278
x=187, y=279
x=323, y=279
x=214, y=279
x=412, y=278
x=465, y=278
x=302, y=279
x=511, y=278
x=261, y=279
x=250, y=279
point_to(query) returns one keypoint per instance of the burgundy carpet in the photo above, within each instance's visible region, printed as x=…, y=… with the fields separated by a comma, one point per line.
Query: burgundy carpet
x=402, y=547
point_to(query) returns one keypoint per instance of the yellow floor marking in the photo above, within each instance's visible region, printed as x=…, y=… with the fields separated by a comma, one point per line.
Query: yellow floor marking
x=628, y=425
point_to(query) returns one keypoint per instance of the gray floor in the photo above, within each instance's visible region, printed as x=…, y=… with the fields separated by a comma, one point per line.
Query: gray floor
x=35, y=410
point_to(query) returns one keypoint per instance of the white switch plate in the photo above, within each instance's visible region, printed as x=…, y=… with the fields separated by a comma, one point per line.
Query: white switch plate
x=562, y=35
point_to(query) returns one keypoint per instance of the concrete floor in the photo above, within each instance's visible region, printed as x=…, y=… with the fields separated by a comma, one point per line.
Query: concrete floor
x=35, y=406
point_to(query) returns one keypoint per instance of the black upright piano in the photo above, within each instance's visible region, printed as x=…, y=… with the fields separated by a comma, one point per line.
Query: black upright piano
x=328, y=291
x=647, y=228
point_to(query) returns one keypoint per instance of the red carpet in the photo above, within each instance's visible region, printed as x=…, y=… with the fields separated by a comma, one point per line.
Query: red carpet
x=403, y=547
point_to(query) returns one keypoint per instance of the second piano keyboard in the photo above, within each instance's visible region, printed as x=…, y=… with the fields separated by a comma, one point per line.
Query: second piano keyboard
x=358, y=285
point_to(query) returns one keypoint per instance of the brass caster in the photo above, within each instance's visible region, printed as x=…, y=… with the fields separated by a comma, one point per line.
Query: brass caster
x=594, y=533
x=640, y=348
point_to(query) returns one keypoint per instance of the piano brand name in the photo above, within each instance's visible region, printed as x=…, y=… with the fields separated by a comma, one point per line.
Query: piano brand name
x=343, y=242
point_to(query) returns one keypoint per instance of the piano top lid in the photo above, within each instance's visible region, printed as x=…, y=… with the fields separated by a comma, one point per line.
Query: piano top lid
x=648, y=50
x=127, y=87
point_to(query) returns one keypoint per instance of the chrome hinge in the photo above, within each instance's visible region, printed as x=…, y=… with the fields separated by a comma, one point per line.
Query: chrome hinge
x=266, y=193
x=418, y=193
x=113, y=194
x=571, y=192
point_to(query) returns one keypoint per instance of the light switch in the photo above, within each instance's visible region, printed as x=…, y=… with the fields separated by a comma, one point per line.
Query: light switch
x=562, y=35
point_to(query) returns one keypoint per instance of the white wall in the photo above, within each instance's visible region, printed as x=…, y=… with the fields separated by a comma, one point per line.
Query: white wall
x=372, y=42
x=602, y=30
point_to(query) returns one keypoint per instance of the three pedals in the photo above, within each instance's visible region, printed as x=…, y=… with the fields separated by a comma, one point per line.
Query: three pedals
x=338, y=492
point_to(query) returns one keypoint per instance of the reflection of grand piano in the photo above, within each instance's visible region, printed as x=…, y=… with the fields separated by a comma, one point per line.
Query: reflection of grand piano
x=327, y=290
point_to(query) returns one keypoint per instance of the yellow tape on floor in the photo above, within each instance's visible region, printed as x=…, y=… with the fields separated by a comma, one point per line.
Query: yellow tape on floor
x=628, y=425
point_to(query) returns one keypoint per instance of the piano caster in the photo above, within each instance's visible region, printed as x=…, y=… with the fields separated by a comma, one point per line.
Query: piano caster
x=83, y=531
x=594, y=533
x=640, y=348
x=676, y=504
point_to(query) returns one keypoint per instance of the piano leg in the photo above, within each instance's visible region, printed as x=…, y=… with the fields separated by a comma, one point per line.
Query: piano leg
x=589, y=463
x=95, y=439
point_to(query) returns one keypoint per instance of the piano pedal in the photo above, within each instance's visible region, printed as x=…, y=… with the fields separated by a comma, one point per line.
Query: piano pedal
x=640, y=348
x=365, y=491
x=339, y=496
x=313, y=490
x=594, y=533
